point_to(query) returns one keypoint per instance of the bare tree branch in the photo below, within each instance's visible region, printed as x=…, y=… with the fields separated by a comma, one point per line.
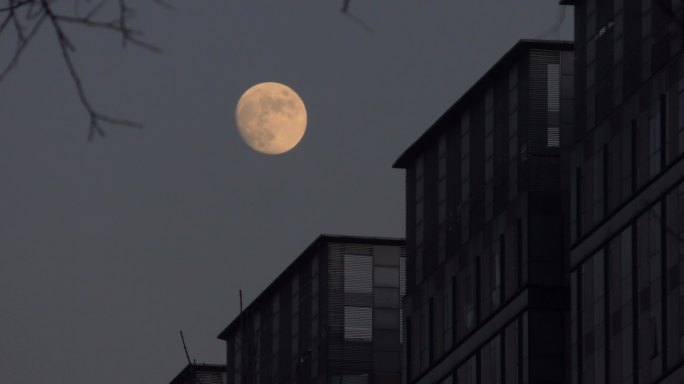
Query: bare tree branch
x=356, y=19
x=14, y=5
x=22, y=42
x=29, y=15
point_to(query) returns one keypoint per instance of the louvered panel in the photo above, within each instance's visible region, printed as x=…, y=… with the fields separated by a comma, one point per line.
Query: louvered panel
x=358, y=322
x=402, y=273
x=347, y=356
x=349, y=379
x=349, y=310
x=544, y=102
x=358, y=273
x=210, y=377
x=355, y=379
x=351, y=248
x=553, y=105
x=402, y=291
x=543, y=138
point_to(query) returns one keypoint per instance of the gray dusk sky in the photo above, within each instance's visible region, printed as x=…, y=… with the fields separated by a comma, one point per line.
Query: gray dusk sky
x=108, y=249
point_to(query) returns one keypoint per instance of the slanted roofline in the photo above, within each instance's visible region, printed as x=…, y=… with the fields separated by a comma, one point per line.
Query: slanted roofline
x=191, y=368
x=305, y=255
x=474, y=91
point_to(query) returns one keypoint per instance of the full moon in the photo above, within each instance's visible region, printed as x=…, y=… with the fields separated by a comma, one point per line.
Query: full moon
x=271, y=118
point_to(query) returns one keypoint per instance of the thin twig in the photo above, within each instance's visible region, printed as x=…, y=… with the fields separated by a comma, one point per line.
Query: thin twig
x=95, y=117
x=5, y=23
x=95, y=10
x=37, y=11
x=15, y=4
x=20, y=47
x=345, y=6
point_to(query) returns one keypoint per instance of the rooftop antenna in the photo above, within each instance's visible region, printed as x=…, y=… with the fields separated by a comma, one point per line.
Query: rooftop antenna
x=185, y=348
x=242, y=321
x=245, y=372
x=187, y=356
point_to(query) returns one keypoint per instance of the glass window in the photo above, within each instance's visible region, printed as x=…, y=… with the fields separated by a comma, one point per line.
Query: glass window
x=465, y=169
x=513, y=77
x=496, y=280
x=454, y=308
x=420, y=188
x=655, y=139
x=489, y=162
x=441, y=154
x=431, y=329
x=420, y=211
x=513, y=99
x=578, y=202
x=386, y=276
x=276, y=302
x=465, y=157
x=465, y=221
x=511, y=353
x=419, y=166
x=470, y=300
x=653, y=344
x=314, y=265
x=489, y=100
x=294, y=285
x=386, y=297
x=447, y=312
x=442, y=211
x=513, y=129
x=680, y=111
x=441, y=243
x=386, y=318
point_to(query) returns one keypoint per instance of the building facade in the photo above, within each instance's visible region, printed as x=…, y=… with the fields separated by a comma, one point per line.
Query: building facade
x=486, y=281
x=627, y=193
x=333, y=316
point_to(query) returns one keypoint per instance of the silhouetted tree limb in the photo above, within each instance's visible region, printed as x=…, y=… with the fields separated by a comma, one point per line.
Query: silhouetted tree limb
x=24, y=18
x=357, y=20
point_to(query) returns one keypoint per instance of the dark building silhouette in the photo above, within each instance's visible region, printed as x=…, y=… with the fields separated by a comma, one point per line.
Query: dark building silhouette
x=201, y=374
x=333, y=316
x=486, y=288
x=626, y=227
